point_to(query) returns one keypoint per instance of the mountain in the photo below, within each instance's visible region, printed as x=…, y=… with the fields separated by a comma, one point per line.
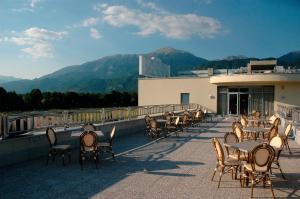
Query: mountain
x=4, y=79
x=117, y=72
x=234, y=57
x=290, y=59
x=120, y=72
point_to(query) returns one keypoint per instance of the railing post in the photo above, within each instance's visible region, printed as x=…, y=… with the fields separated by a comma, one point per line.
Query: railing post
x=102, y=115
x=129, y=113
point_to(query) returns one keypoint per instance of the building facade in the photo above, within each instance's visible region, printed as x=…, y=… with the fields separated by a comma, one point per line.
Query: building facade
x=262, y=86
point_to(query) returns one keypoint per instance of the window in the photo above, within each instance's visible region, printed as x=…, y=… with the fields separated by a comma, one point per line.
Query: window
x=185, y=98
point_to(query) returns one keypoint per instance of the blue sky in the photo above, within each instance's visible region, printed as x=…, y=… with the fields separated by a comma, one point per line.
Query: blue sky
x=38, y=37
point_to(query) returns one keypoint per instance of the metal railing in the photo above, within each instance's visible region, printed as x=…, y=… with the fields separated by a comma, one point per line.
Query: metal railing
x=20, y=123
x=290, y=112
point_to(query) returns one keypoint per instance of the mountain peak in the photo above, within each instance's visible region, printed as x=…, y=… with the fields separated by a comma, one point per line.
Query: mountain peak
x=168, y=50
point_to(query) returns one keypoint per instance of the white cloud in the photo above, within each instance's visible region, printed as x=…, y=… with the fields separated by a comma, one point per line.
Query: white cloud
x=99, y=6
x=94, y=33
x=33, y=3
x=151, y=5
x=36, y=41
x=89, y=22
x=176, y=26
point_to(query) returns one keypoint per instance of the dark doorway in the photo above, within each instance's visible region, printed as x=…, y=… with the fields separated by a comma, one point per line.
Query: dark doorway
x=244, y=104
x=233, y=102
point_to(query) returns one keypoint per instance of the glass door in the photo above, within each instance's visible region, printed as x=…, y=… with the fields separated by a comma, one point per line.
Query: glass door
x=244, y=103
x=233, y=103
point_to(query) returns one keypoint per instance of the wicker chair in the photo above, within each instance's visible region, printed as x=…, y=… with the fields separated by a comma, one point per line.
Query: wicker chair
x=155, y=131
x=240, y=134
x=173, y=126
x=244, y=122
x=107, y=146
x=270, y=121
x=272, y=133
x=89, y=127
x=231, y=138
x=277, y=143
x=259, y=167
x=285, y=136
x=223, y=166
x=148, y=127
x=88, y=147
x=56, y=149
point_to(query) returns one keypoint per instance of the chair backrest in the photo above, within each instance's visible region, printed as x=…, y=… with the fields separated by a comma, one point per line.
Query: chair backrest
x=257, y=114
x=276, y=122
x=239, y=132
x=147, y=121
x=244, y=122
x=185, y=119
x=88, y=141
x=262, y=157
x=51, y=136
x=273, y=132
x=89, y=127
x=219, y=151
x=231, y=138
x=272, y=119
x=168, y=120
x=276, y=142
x=176, y=121
x=288, y=129
x=112, y=135
x=153, y=123
x=197, y=114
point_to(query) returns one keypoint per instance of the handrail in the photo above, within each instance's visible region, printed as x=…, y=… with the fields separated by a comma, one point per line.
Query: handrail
x=288, y=111
x=19, y=123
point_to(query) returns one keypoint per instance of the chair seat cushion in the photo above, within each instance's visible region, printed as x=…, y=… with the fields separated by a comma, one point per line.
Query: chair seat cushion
x=61, y=147
x=103, y=144
x=248, y=167
x=236, y=157
x=232, y=162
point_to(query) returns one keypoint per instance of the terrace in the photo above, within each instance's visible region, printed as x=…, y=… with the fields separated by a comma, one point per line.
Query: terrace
x=172, y=167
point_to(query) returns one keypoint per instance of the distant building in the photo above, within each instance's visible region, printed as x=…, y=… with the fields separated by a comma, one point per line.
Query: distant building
x=153, y=67
x=262, y=86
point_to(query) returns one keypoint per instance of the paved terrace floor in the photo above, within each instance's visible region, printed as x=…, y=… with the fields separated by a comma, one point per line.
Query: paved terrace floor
x=175, y=167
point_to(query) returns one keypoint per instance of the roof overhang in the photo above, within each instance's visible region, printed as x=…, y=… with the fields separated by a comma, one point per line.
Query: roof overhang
x=255, y=79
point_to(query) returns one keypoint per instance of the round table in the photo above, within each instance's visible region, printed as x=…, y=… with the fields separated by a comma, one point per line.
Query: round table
x=255, y=130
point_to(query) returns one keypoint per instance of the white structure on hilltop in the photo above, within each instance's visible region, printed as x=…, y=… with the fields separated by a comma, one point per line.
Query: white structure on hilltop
x=153, y=67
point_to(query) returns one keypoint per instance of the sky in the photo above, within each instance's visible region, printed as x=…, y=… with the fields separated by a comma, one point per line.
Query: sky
x=38, y=37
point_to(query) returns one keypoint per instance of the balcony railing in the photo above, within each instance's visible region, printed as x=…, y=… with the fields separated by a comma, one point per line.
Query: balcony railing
x=12, y=124
x=289, y=112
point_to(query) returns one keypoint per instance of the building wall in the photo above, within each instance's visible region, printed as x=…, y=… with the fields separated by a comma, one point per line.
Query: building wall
x=287, y=94
x=155, y=91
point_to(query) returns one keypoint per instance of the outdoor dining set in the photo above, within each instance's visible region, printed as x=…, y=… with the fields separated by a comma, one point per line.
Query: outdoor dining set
x=90, y=147
x=253, y=150
x=171, y=122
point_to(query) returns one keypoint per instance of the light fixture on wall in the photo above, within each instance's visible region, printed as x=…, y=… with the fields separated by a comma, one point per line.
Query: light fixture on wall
x=211, y=96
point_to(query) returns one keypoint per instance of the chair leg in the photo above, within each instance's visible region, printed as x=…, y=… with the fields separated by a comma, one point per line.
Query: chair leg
x=279, y=167
x=113, y=155
x=288, y=146
x=214, y=174
x=221, y=174
x=271, y=186
x=252, y=185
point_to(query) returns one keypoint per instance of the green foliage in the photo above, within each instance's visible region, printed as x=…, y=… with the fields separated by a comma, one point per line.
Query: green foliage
x=36, y=100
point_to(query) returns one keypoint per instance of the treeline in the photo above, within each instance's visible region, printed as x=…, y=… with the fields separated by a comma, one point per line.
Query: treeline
x=37, y=100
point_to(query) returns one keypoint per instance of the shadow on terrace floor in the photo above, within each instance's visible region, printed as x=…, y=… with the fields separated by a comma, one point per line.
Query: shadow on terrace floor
x=35, y=180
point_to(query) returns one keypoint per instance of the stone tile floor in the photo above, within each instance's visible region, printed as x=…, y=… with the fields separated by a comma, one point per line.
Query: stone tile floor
x=174, y=167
